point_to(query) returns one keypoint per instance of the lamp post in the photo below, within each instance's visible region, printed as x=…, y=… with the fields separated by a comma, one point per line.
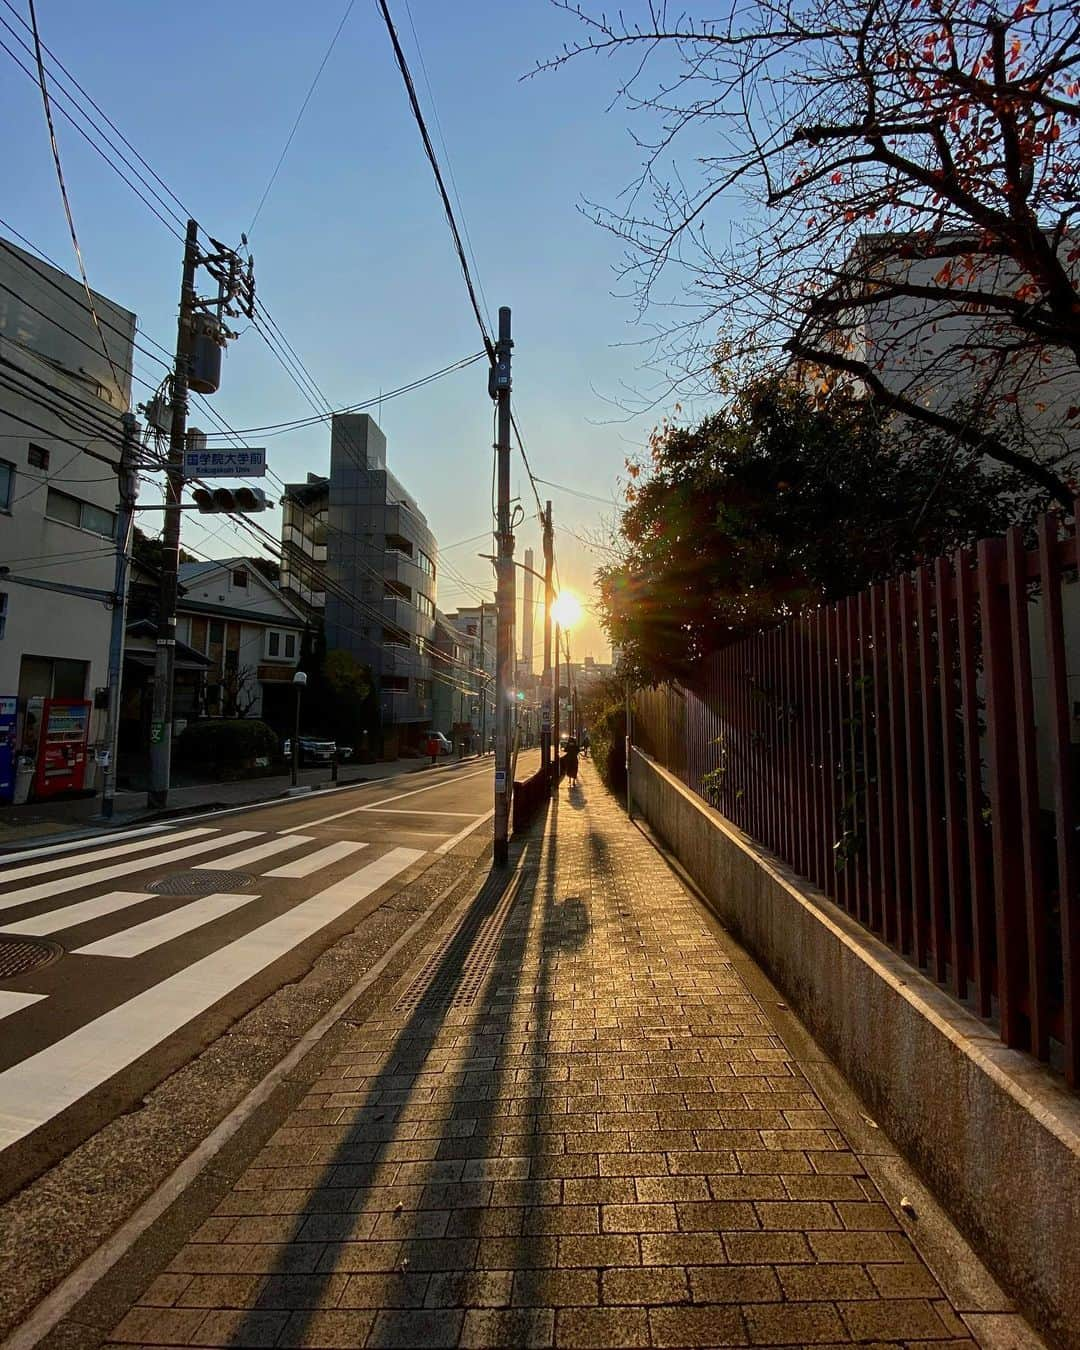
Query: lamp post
x=299, y=680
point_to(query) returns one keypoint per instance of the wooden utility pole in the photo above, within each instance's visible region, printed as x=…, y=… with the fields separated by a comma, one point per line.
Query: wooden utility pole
x=499, y=387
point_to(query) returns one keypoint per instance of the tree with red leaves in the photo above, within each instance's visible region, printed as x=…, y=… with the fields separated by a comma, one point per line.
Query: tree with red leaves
x=907, y=178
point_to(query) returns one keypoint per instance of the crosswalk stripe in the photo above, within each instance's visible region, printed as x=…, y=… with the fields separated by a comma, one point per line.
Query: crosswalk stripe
x=163, y=928
x=311, y=862
x=11, y=1002
x=60, y=884
x=74, y=859
x=88, y=841
x=250, y=855
x=41, y=1086
x=72, y=915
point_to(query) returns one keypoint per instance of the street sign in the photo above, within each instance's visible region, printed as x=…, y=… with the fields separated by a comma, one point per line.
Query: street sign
x=230, y=463
x=500, y=780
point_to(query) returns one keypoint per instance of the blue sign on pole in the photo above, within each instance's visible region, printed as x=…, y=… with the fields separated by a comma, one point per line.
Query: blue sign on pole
x=225, y=463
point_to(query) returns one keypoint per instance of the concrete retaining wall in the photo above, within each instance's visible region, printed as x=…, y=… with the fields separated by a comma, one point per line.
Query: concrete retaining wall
x=995, y=1136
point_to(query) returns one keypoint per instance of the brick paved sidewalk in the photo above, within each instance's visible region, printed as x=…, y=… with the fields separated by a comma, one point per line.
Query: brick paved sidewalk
x=575, y=1127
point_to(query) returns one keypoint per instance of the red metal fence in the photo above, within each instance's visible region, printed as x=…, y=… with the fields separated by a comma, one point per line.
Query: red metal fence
x=910, y=750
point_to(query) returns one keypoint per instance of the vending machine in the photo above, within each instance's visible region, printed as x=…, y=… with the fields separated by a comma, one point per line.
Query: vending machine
x=55, y=733
x=9, y=707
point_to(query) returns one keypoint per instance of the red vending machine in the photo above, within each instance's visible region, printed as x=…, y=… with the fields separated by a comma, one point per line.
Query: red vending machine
x=55, y=733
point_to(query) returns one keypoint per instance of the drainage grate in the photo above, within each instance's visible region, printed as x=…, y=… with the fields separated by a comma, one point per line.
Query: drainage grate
x=455, y=972
x=18, y=956
x=199, y=882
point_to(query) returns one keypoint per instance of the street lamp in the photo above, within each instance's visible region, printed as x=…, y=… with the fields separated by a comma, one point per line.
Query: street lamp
x=299, y=681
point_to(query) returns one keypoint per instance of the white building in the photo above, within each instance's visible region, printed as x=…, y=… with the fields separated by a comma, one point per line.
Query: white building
x=251, y=633
x=918, y=328
x=60, y=400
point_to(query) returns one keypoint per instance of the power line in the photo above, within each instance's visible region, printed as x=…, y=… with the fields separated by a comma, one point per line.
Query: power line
x=299, y=115
x=429, y=150
x=64, y=192
x=101, y=112
x=576, y=492
x=92, y=143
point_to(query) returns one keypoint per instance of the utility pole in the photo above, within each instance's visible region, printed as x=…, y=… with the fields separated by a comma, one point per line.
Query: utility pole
x=549, y=596
x=483, y=684
x=128, y=481
x=165, y=653
x=557, y=719
x=499, y=388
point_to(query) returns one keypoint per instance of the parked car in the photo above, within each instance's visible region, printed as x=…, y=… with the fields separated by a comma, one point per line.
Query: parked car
x=445, y=748
x=313, y=750
x=345, y=753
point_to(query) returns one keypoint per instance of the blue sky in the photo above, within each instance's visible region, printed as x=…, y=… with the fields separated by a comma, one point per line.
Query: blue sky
x=353, y=257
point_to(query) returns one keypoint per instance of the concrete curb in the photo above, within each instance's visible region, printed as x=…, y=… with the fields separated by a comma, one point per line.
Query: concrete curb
x=995, y=1135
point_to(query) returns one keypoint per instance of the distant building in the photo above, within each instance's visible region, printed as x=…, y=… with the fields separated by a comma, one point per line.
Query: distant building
x=305, y=508
x=250, y=632
x=357, y=550
x=58, y=394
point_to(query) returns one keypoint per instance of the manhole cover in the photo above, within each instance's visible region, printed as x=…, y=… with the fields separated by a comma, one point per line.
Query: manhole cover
x=18, y=956
x=200, y=882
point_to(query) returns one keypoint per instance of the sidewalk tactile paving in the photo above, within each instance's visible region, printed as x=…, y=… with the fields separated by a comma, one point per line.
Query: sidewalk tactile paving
x=575, y=1127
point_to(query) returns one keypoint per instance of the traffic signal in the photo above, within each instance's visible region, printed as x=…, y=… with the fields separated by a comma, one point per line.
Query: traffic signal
x=244, y=499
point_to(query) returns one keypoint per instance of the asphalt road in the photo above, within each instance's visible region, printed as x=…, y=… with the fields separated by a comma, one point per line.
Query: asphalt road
x=167, y=935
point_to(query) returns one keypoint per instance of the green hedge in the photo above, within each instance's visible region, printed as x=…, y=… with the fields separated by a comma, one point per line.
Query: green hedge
x=227, y=744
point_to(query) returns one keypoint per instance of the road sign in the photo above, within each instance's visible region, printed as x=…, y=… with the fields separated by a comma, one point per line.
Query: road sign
x=231, y=463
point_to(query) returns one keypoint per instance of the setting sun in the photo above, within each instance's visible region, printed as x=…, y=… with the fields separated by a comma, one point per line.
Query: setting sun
x=566, y=609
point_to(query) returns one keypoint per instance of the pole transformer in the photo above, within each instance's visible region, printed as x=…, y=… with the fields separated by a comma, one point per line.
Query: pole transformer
x=499, y=388
x=165, y=653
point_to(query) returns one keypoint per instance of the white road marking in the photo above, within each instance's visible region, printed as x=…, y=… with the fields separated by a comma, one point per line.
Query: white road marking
x=73, y=915
x=58, y=885
x=250, y=855
x=416, y=811
x=431, y=787
x=11, y=1002
x=40, y=1087
x=164, y=927
x=118, y=850
x=462, y=834
x=88, y=841
x=311, y=862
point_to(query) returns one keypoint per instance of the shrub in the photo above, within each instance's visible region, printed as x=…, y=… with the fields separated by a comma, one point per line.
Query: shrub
x=226, y=744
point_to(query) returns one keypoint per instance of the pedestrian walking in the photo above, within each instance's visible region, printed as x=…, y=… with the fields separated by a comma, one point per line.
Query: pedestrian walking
x=570, y=761
x=585, y=743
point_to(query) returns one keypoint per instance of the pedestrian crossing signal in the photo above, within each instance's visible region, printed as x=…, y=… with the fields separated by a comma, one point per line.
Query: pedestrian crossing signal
x=243, y=499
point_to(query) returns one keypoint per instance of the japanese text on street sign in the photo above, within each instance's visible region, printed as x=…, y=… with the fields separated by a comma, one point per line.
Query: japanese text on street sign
x=224, y=463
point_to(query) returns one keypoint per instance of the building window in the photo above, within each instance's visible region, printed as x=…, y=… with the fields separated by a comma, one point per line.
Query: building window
x=37, y=457
x=281, y=646
x=425, y=606
x=240, y=578
x=217, y=632
x=425, y=564
x=397, y=684
x=423, y=688
x=7, y=479
x=71, y=511
x=3, y=611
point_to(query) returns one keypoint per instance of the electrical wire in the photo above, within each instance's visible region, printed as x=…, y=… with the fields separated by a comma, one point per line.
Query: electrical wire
x=186, y=213
x=64, y=192
x=299, y=115
x=429, y=150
